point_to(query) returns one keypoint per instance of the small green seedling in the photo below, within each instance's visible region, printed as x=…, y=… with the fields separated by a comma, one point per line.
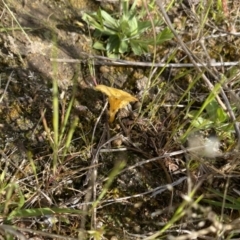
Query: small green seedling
x=125, y=32
x=214, y=117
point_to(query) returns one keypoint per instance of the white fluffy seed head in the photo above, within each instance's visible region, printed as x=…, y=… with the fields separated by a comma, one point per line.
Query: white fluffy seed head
x=204, y=147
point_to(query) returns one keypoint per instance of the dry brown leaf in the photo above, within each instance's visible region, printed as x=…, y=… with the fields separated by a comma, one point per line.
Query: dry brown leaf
x=117, y=99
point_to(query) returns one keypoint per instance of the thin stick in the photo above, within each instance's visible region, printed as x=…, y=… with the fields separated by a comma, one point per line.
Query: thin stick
x=6, y=87
x=109, y=61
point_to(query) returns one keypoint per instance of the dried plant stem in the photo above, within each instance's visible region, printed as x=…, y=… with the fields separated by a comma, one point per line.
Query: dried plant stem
x=6, y=87
x=109, y=61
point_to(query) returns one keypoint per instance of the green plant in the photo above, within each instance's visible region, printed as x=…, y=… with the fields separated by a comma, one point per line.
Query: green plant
x=227, y=201
x=125, y=32
x=214, y=117
x=211, y=116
